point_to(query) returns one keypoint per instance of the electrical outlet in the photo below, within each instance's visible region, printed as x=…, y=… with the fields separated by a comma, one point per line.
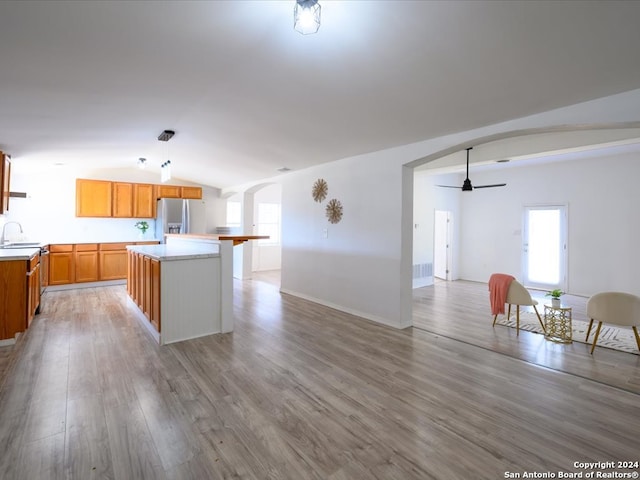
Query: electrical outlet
x=325, y=233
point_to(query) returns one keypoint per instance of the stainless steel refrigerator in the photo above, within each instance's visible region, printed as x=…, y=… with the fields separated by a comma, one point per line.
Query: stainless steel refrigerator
x=176, y=215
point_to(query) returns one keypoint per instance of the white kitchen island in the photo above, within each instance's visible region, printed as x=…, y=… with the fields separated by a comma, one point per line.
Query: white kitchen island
x=182, y=291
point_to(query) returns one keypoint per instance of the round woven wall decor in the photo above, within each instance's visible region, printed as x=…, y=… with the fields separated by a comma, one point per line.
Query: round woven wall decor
x=320, y=190
x=334, y=210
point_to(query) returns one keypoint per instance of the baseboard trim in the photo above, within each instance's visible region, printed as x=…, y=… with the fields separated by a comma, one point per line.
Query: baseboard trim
x=350, y=311
x=74, y=286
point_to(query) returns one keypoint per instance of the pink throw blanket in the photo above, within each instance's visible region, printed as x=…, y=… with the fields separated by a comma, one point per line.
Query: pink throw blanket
x=498, y=288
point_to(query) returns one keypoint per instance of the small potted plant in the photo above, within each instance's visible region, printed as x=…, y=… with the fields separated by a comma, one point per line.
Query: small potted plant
x=555, y=296
x=143, y=226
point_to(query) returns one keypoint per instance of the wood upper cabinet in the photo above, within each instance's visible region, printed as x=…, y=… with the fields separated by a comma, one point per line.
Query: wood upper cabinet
x=122, y=205
x=176, y=191
x=144, y=200
x=101, y=198
x=133, y=200
x=169, y=191
x=93, y=198
x=191, y=193
x=5, y=181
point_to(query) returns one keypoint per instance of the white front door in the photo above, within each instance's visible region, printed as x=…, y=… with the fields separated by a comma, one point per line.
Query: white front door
x=544, y=249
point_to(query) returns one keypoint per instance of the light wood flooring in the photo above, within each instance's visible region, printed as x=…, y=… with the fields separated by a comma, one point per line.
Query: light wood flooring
x=460, y=310
x=297, y=391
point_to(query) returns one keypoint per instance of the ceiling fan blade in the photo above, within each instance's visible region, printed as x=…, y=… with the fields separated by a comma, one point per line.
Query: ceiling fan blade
x=448, y=186
x=491, y=186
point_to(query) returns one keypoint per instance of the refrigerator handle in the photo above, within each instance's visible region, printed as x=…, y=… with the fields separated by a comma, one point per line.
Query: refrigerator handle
x=185, y=216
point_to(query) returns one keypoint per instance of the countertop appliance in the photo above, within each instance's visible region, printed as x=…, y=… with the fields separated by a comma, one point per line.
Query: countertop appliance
x=176, y=215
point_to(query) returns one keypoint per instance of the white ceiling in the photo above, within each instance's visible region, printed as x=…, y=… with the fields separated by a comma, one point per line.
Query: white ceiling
x=93, y=83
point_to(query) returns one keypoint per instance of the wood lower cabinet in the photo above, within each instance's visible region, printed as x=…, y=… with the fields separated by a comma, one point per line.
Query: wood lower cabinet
x=33, y=288
x=143, y=285
x=93, y=198
x=13, y=298
x=61, y=264
x=19, y=295
x=86, y=263
x=112, y=261
x=154, y=317
x=130, y=276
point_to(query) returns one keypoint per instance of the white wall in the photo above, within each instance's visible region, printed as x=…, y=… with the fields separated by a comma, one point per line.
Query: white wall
x=364, y=265
x=356, y=267
x=48, y=213
x=602, y=196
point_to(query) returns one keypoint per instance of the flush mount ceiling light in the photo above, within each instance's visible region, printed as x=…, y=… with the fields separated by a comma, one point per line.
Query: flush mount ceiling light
x=306, y=16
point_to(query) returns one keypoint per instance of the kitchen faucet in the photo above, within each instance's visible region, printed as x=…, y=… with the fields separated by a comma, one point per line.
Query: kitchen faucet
x=5, y=228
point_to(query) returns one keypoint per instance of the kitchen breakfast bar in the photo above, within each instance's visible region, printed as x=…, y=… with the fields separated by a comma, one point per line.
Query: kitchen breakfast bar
x=183, y=290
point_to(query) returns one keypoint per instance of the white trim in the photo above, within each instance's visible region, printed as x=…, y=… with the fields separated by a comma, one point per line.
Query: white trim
x=73, y=286
x=372, y=318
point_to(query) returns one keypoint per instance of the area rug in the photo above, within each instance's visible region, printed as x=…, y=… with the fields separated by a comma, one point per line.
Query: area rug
x=610, y=337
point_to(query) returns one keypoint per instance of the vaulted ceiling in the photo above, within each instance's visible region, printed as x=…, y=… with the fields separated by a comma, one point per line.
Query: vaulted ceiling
x=93, y=83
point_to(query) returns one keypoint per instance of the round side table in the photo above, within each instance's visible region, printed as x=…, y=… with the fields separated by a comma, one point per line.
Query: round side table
x=557, y=323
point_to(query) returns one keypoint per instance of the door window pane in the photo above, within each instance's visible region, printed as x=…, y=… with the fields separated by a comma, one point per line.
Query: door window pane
x=269, y=223
x=544, y=246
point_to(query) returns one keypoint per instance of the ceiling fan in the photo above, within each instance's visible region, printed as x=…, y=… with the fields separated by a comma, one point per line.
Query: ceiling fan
x=466, y=186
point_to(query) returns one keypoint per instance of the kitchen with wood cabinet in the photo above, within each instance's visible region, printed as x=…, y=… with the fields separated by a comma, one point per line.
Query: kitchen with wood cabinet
x=84, y=218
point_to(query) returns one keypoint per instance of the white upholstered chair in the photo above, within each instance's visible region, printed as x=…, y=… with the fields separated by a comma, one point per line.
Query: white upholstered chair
x=518, y=295
x=616, y=308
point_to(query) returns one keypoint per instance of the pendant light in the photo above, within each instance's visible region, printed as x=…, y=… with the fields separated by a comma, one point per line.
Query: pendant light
x=306, y=16
x=165, y=168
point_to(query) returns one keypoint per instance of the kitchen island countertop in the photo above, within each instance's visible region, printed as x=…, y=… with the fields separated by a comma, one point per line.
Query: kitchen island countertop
x=7, y=254
x=164, y=252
